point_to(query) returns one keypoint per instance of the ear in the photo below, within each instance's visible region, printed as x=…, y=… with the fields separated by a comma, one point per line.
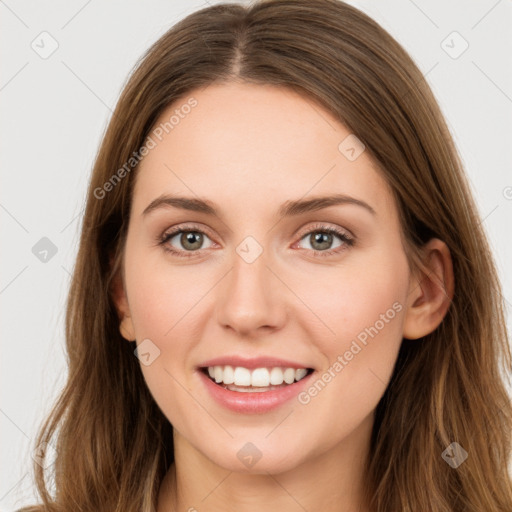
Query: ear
x=118, y=294
x=430, y=293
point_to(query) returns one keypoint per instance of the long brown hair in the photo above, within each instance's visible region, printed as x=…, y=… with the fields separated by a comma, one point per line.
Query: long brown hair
x=113, y=443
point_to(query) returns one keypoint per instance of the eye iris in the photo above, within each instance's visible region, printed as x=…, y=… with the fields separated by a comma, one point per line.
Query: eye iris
x=191, y=237
x=324, y=239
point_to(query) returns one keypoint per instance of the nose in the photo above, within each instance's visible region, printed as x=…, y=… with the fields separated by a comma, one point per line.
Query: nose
x=251, y=298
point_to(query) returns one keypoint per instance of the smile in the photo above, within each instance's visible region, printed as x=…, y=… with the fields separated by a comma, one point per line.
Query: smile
x=258, y=390
x=245, y=380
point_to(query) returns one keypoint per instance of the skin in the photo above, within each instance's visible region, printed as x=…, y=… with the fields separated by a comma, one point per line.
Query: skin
x=250, y=148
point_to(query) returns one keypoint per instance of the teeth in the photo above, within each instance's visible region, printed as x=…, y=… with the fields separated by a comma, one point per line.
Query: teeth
x=259, y=377
x=242, y=376
x=300, y=373
x=289, y=375
x=276, y=376
x=228, y=375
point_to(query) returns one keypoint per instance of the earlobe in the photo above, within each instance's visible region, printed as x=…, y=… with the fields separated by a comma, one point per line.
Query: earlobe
x=120, y=300
x=430, y=294
x=126, y=328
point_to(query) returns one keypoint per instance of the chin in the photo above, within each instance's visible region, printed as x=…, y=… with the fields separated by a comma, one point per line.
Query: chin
x=259, y=458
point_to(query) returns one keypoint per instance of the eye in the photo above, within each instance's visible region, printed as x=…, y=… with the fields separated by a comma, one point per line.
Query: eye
x=189, y=240
x=321, y=238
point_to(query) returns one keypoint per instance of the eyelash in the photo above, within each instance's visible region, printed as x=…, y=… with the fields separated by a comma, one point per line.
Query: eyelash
x=345, y=238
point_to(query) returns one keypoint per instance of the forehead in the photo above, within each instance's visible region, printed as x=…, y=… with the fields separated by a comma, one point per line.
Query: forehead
x=250, y=146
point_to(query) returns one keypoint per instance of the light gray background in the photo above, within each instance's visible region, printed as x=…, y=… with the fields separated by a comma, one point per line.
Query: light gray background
x=54, y=112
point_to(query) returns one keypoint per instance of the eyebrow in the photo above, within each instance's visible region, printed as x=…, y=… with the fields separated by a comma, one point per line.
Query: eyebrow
x=287, y=209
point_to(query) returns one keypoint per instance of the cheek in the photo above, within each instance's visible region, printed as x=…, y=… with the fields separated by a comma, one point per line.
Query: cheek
x=361, y=312
x=164, y=303
x=162, y=296
x=354, y=298
x=365, y=309
x=167, y=306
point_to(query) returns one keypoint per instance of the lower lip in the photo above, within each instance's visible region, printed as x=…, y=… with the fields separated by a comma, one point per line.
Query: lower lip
x=255, y=402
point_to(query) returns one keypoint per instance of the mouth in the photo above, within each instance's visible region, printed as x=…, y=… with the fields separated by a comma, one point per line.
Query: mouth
x=257, y=380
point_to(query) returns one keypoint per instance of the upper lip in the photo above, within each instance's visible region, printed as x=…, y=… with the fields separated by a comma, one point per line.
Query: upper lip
x=255, y=362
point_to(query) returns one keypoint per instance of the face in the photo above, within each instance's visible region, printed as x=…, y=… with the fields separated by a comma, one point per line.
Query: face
x=263, y=282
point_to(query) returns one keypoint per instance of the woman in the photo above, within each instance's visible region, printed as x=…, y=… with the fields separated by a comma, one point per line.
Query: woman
x=283, y=297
